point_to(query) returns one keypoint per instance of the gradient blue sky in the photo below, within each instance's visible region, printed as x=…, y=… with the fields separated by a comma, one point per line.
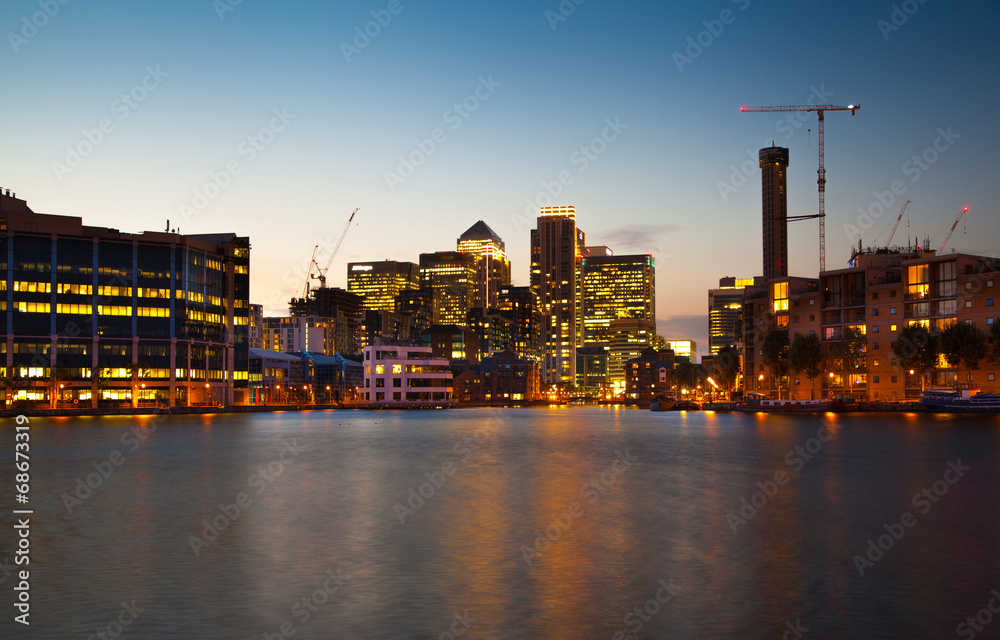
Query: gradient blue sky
x=654, y=190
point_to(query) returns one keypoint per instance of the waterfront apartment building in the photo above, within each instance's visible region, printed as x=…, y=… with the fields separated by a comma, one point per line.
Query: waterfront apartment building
x=493, y=266
x=616, y=288
x=882, y=292
x=93, y=315
x=400, y=377
x=300, y=333
x=557, y=248
x=648, y=375
x=774, y=207
x=725, y=312
x=500, y=380
x=378, y=283
x=451, y=276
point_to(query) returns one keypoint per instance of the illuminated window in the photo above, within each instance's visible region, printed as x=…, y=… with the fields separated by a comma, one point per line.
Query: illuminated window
x=918, y=281
x=779, y=293
x=397, y=368
x=112, y=310
x=153, y=312
x=379, y=369
x=74, y=289
x=153, y=293
x=892, y=327
x=108, y=291
x=77, y=309
x=33, y=307
x=33, y=287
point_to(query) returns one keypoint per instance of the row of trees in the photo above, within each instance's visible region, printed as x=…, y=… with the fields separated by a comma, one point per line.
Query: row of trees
x=962, y=344
x=724, y=371
x=917, y=349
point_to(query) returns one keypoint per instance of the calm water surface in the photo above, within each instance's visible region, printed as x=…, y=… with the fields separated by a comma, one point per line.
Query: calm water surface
x=533, y=523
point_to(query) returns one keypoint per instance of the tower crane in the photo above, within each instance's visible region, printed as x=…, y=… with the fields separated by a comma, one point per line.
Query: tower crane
x=952, y=230
x=820, y=109
x=321, y=272
x=888, y=242
x=309, y=276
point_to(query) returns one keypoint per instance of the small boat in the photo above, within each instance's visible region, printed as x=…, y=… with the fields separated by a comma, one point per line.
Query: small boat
x=687, y=405
x=662, y=402
x=960, y=401
x=760, y=405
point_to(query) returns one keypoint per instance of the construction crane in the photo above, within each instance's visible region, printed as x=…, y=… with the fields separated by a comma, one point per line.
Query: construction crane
x=952, y=230
x=820, y=109
x=309, y=275
x=888, y=242
x=321, y=272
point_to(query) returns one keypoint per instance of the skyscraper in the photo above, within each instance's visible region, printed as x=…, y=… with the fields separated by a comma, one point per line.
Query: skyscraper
x=615, y=288
x=493, y=265
x=774, y=204
x=556, y=251
x=451, y=276
x=378, y=283
x=520, y=304
x=725, y=312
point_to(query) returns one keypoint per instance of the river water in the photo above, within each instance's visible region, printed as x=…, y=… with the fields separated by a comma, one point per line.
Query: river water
x=568, y=522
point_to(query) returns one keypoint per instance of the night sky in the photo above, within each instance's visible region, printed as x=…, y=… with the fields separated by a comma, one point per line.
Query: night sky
x=276, y=119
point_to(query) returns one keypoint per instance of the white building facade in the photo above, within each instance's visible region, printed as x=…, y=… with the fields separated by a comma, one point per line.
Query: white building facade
x=400, y=377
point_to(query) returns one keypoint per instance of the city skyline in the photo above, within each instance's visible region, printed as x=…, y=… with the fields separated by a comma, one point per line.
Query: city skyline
x=293, y=124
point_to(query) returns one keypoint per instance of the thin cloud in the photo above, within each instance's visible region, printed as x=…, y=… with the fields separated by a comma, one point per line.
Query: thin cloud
x=643, y=238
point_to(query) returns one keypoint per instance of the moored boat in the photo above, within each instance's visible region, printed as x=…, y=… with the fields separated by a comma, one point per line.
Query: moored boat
x=760, y=405
x=960, y=401
x=662, y=403
x=687, y=405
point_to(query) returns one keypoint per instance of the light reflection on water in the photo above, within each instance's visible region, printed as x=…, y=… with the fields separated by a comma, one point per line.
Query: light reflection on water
x=462, y=555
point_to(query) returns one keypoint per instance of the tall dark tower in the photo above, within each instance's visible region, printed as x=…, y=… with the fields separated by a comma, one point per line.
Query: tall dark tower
x=774, y=201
